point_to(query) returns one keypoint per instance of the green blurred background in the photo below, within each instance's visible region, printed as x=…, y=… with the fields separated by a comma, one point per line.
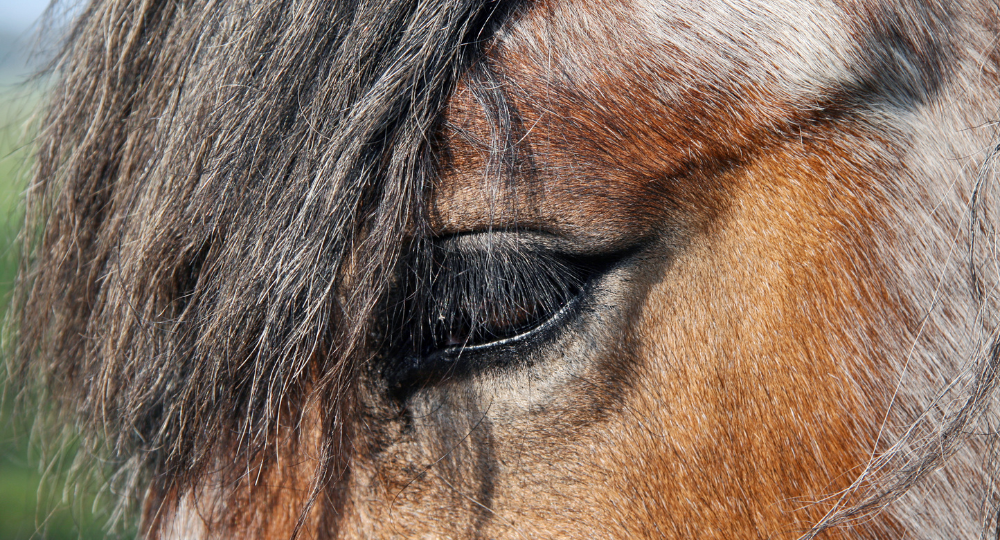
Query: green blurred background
x=25, y=511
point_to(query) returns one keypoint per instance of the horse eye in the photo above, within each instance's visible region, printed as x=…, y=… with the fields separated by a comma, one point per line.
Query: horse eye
x=480, y=297
x=484, y=293
x=476, y=307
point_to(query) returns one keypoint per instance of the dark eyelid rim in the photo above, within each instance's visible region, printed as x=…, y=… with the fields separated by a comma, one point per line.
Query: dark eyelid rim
x=597, y=261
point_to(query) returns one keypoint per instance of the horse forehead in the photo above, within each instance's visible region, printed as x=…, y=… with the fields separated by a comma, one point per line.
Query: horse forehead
x=626, y=106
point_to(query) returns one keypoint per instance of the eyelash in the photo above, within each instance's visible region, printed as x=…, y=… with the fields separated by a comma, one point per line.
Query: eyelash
x=481, y=297
x=475, y=293
x=480, y=301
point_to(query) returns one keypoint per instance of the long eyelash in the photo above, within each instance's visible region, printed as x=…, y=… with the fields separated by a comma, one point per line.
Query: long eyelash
x=483, y=295
x=472, y=291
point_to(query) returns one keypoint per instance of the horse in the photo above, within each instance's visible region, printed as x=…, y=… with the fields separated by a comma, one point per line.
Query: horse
x=522, y=269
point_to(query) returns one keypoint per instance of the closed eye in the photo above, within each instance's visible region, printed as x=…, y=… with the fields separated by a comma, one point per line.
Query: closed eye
x=486, y=292
x=483, y=294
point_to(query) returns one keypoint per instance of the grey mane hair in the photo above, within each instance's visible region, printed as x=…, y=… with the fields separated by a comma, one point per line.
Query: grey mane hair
x=210, y=175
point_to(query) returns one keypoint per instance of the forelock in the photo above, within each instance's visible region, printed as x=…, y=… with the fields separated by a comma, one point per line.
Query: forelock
x=210, y=175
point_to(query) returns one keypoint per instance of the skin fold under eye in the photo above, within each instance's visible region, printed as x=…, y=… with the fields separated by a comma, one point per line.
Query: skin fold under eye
x=483, y=291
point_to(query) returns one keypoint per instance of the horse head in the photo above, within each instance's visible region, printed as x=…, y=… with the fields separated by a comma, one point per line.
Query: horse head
x=427, y=268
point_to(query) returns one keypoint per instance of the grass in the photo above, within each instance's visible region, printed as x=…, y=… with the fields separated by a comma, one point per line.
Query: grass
x=24, y=513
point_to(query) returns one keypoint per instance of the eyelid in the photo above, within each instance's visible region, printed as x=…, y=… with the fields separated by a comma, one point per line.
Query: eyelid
x=419, y=368
x=552, y=277
x=543, y=241
x=494, y=288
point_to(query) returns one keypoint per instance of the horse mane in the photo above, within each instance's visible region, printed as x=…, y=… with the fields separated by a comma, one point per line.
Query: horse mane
x=211, y=177
x=208, y=175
